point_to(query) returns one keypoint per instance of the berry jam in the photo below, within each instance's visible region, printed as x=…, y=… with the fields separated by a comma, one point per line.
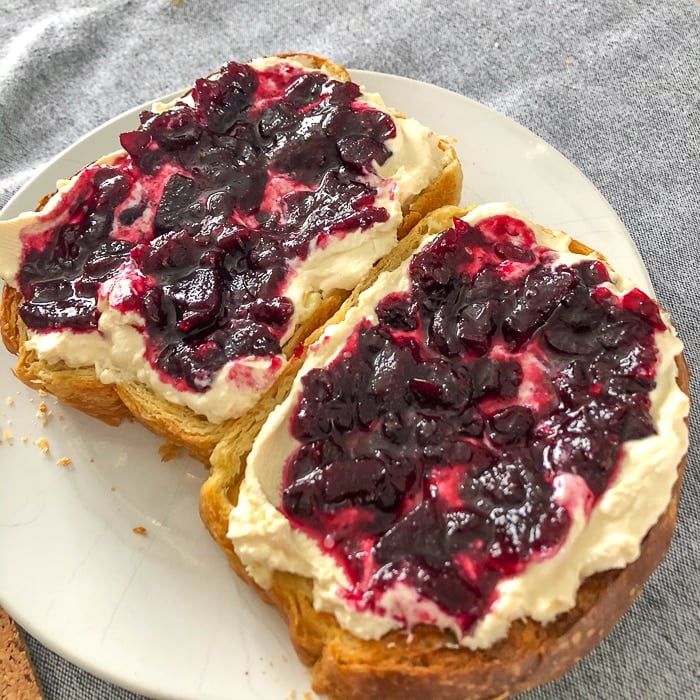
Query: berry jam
x=205, y=213
x=430, y=446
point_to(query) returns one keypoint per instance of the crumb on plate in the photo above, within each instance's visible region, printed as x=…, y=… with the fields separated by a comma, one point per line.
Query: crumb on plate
x=168, y=451
x=43, y=413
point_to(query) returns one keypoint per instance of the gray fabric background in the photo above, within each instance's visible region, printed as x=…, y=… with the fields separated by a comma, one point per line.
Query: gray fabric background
x=613, y=85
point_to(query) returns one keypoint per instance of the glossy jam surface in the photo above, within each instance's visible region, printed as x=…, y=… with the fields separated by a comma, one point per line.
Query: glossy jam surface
x=431, y=444
x=204, y=214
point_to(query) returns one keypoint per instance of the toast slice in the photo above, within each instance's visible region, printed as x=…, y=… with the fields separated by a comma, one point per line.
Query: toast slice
x=425, y=660
x=155, y=404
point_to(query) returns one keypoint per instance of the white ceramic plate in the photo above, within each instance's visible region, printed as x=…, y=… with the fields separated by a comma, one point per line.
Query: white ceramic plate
x=162, y=614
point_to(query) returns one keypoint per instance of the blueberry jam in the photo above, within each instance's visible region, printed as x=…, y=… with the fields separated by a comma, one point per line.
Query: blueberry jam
x=206, y=212
x=430, y=445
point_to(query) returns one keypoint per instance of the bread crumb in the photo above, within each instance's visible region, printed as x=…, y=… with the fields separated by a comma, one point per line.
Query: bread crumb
x=43, y=392
x=7, y=435
x=168, y=451
x=568, y=61
x=24, y=438
x=43, y=444
x=92, y=460
x=10, y=401
x=140, y=530
x=60, y=416
x=44, y=413
x=64, y=462
x=307, y=696
x=177, y=3
x=113, y=488
x=292, y=695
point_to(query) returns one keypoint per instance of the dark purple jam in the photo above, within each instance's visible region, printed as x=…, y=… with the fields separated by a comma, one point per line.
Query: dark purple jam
x=429, y=446
x=208, y=209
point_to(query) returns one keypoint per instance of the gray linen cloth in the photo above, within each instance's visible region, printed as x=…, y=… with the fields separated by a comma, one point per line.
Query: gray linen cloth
x=613, y=85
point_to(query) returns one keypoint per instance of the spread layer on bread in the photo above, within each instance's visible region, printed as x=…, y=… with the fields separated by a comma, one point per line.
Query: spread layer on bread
x=187, y=260
x=494, y=421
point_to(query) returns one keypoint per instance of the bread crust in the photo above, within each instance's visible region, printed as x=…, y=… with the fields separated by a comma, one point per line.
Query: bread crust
x=80, y=388
x=422, y=665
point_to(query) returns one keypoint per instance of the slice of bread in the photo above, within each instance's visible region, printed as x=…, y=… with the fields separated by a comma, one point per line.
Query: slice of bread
x=425, y=661
x=79, y=385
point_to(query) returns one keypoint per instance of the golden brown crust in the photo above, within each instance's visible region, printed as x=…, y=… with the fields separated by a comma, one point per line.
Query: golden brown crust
x=9, y=319
x=175, y=423
x=344, y=666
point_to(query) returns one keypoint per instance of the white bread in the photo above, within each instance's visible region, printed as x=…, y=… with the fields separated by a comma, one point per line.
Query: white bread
x=425, y=663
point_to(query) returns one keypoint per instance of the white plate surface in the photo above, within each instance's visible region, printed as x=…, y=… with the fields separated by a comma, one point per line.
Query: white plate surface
x=162, y=614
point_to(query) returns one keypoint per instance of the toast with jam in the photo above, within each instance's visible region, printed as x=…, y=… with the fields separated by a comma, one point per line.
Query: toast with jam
x=465, y=479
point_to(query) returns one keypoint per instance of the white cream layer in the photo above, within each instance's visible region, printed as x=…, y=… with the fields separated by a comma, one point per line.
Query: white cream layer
x=117, y=350
x=265, y=541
